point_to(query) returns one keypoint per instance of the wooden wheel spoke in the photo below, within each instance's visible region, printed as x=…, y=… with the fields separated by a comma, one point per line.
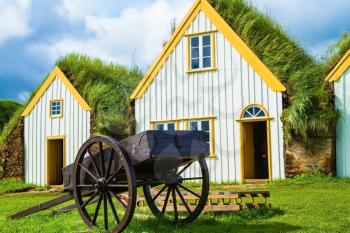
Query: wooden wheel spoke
x=97, y=210
x=119, y=201
x=175, y=205
x=118, y=185
x=81, y=186
x=102, y=159
x=166, y=200
x=90, y=199
x=183, y=200
x=110, y=159
x=189, y=190
x=113, y=208
x=160, y=192
x=183, y=169
x=114, y=174
x=105, y=211
x=88, y=172
x=93, y=161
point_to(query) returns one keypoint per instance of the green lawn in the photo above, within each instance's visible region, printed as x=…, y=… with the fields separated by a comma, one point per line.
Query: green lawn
x=309, y=204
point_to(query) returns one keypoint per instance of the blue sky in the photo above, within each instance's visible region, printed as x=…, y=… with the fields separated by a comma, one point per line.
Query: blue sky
x=34, y=33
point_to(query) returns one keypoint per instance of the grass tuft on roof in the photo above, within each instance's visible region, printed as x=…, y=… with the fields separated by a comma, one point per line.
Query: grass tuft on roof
x=308, y=109
x=336, y=52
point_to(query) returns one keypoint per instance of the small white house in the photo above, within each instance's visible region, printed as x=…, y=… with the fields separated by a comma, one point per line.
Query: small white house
x=340, y=75
x=207, y=78
x=56, y=124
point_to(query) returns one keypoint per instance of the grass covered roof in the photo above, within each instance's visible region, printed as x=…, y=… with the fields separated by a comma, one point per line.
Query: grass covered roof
x=105, y=86
x=7, y=110
x=308, y=110
x=337, y=51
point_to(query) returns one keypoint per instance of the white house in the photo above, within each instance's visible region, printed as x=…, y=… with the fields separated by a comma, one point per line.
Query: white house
x=340, y=76
x=207, y=78
x=56, y=124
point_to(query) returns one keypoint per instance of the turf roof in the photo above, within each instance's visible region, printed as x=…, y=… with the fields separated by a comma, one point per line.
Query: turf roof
x=105, y=86
x=308, y=110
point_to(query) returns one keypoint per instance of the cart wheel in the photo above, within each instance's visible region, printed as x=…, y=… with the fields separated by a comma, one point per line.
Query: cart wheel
x=103, y=175
x=186, y=200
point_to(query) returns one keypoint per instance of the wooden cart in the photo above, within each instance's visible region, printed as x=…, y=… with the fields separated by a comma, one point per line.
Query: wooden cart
x=104, y=179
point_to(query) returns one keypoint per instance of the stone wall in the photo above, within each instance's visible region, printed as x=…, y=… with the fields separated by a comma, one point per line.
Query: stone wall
x=317, y=157
x=12, y=154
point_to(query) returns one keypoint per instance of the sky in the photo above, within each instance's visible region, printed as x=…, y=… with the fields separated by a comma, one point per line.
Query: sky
x=34, y=33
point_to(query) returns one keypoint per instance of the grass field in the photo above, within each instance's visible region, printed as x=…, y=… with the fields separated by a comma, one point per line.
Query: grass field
x=304, y=204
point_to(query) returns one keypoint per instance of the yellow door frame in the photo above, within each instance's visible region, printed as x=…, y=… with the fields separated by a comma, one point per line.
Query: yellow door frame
x=52, y=138
x=266, y=119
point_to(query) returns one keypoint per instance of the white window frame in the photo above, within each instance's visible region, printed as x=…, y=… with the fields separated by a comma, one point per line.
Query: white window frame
x=201, y=47
x=60, y=109
x=166, y=125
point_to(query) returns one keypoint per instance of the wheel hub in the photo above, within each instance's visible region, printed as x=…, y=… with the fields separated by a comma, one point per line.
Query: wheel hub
x=102, y=185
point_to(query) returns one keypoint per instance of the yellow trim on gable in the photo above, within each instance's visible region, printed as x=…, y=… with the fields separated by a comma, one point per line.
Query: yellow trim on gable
x=339, y=69
x=222, y=26
x=55, y=73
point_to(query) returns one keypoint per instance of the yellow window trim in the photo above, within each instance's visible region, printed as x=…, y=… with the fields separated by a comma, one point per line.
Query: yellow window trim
x=57, y=137
x=222, y=26
x=55, y=73
x=339, y=69
x=268, y=130
x=213, y=52
x=50, y=106
x=212, y=131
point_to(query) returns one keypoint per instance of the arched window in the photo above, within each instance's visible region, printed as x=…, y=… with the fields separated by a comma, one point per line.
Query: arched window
x=254, y=111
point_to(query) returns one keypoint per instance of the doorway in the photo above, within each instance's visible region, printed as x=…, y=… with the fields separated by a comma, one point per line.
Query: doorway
x=55, y=160
x=255, y=152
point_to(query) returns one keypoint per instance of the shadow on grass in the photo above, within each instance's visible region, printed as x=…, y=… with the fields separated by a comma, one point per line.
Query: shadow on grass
x=244, y=221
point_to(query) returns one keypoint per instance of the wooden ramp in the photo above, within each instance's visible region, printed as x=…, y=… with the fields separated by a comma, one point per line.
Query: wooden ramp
x=218, y=201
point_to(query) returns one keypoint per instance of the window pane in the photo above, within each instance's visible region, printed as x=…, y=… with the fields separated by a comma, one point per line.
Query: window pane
x=195, y=63
x=194, y=42
x=260, y=113
x=205, y=126
x=207, y=62
x=171, y=126
x=207, y=51
x=195, y=53
x=193, y=125
x=160, y=127
x=206, y=40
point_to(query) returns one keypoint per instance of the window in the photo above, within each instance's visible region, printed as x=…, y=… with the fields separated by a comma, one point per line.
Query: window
x=165, y=126
x=201, y=52
x=206, y=124
x=56, y=108
x=253, y=112
x=200, y=125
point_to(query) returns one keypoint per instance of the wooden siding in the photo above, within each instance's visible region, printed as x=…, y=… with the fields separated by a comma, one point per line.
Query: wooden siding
x=342, y=100
x=74, y=125
x=224, y=93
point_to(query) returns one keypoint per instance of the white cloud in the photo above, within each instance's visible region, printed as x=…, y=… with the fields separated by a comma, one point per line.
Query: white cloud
x=14, y=18
x=23, y=96
x=135, y=36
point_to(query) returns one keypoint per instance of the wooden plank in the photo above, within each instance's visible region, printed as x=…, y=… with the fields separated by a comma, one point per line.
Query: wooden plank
x=43, y=206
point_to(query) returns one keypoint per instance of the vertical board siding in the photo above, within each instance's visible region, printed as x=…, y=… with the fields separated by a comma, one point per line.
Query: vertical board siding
x=223, y=93
x=74, y=125
x=342, y=99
